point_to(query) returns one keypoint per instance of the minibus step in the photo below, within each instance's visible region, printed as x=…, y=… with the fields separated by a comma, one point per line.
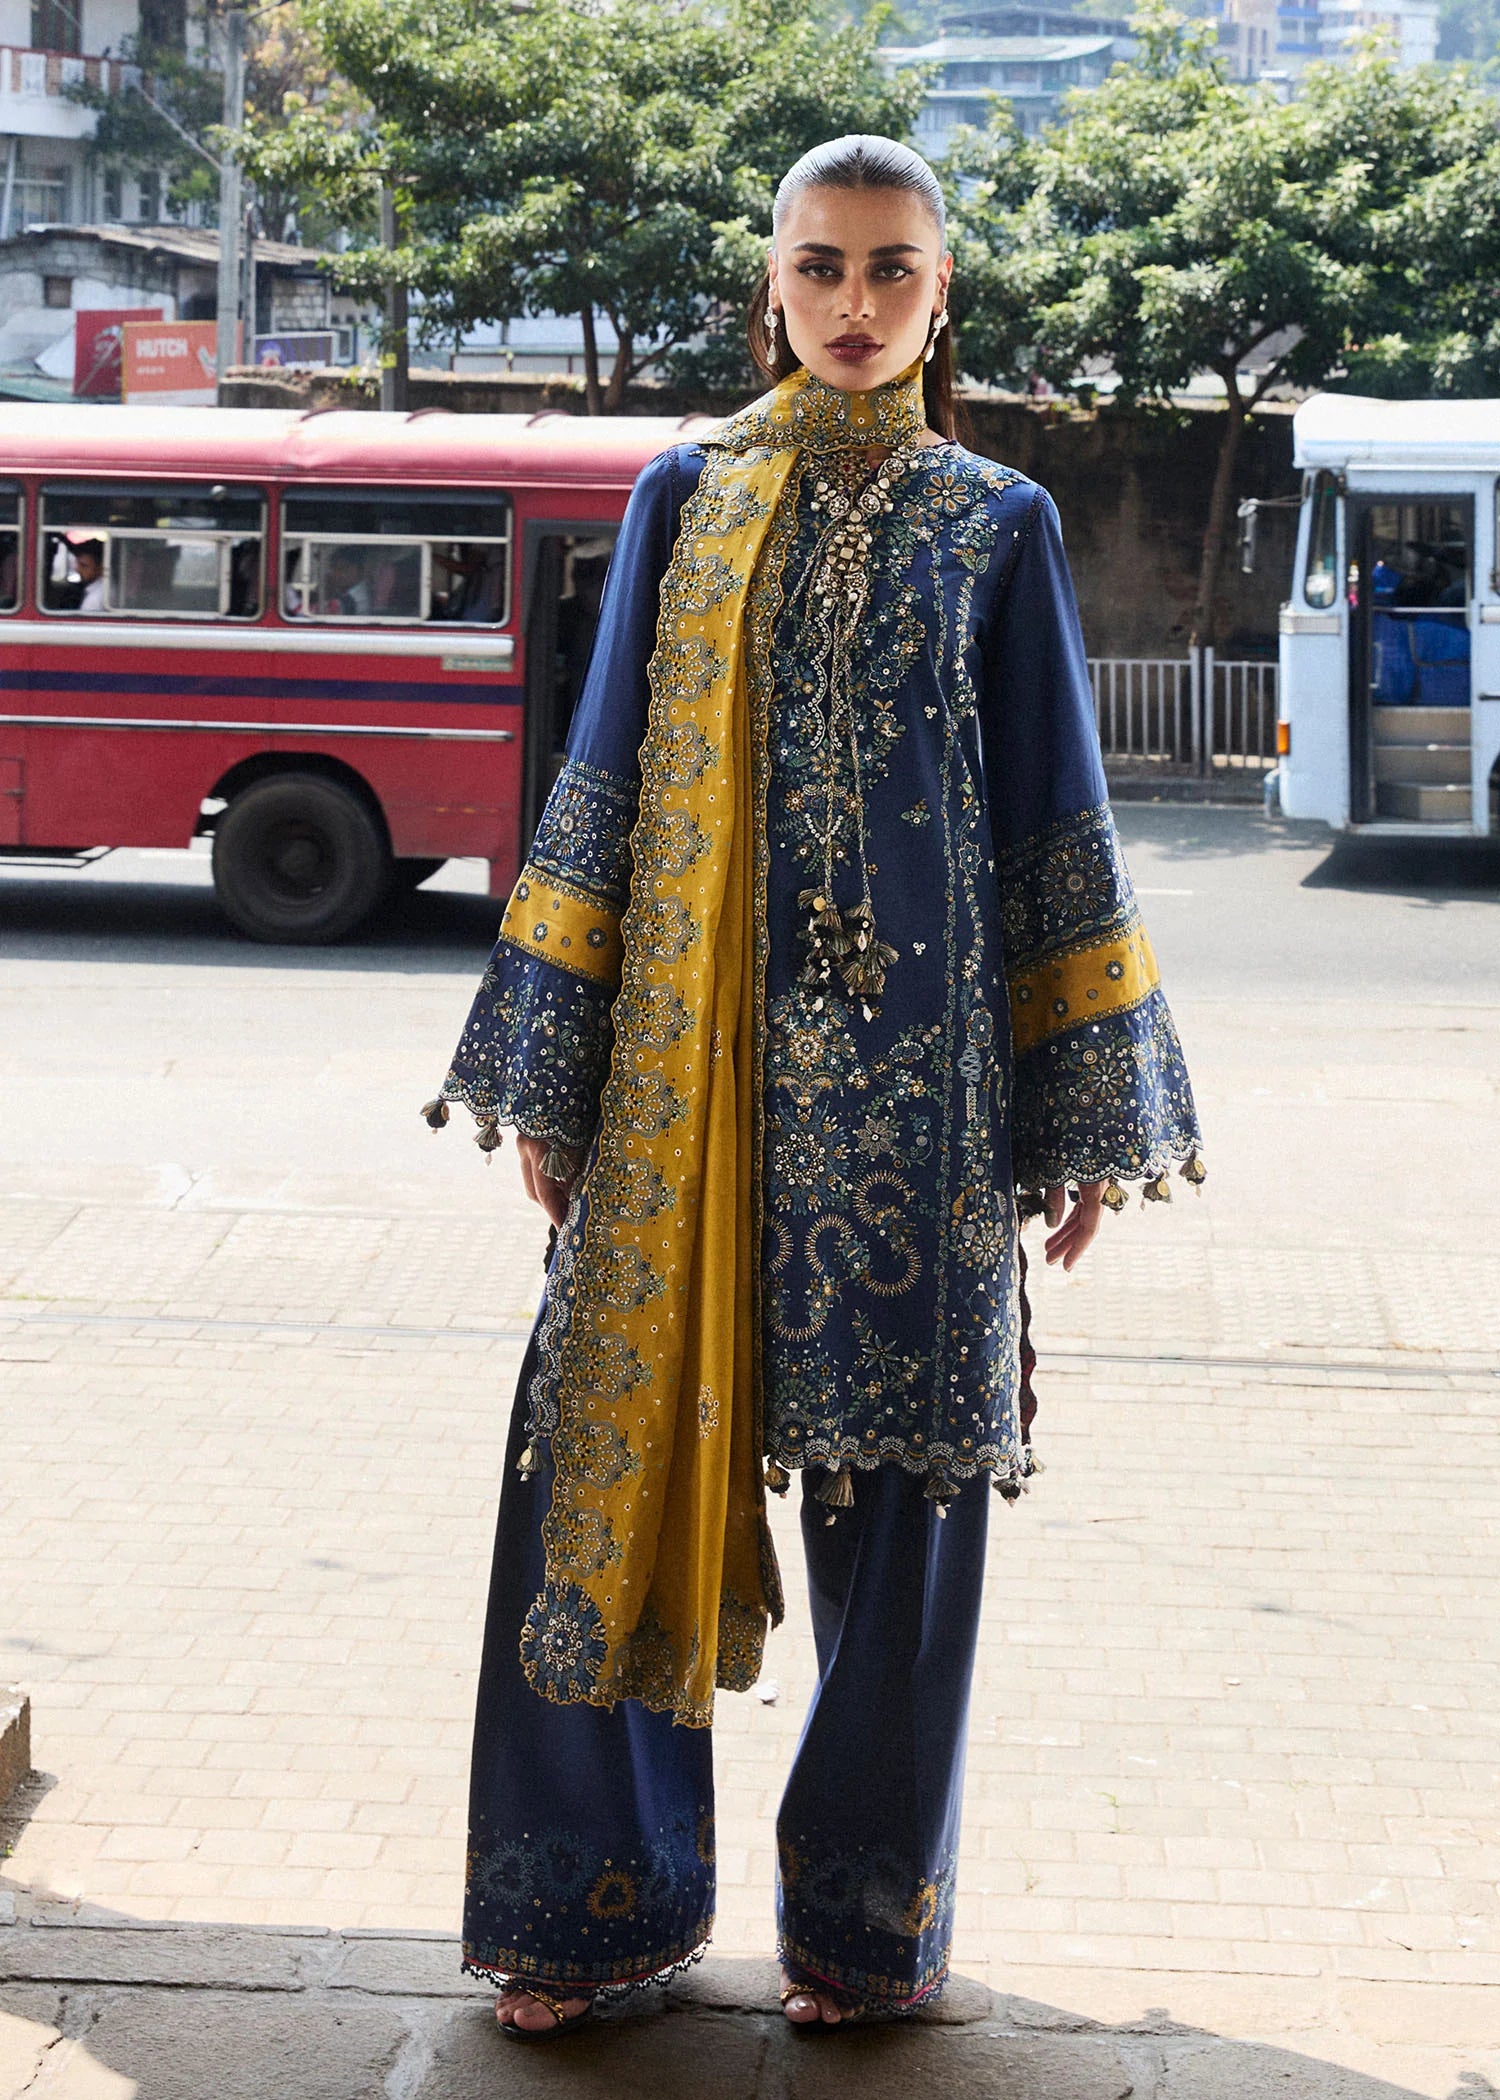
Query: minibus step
x=1429, y=803
x=1421, y=725
x=1423, y=765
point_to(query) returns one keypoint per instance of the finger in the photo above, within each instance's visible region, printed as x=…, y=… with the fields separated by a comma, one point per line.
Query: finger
x=1053, y=1205
x=528, y=1169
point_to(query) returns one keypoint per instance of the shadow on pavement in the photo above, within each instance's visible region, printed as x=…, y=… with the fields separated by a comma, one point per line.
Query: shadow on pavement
x=97, y=2005
x=47, y=917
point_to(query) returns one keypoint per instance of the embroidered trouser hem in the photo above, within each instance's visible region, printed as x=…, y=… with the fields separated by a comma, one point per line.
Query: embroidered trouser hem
x=508, y=1966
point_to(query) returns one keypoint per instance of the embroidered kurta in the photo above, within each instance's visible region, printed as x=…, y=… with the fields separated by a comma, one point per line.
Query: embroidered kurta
x=1021, y=1039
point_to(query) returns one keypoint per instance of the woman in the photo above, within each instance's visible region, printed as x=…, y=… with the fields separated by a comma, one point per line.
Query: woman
x=823, y=951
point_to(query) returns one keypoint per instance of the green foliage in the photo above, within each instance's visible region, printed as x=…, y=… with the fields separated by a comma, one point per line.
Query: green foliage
x=1181, y=223
x=580, y=156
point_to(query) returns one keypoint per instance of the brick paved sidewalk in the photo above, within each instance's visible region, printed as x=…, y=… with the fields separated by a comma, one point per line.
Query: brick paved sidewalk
x=1233, y=1750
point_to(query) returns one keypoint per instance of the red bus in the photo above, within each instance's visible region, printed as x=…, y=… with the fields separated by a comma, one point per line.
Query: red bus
x=346, y=645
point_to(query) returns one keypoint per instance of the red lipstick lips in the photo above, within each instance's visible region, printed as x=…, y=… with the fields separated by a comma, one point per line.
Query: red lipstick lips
x=854, y=349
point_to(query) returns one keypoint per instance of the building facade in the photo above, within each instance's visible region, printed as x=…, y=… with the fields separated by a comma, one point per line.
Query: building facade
x=48, y=50
x=49, y=275
x=1029, y=57
x=1276, y=39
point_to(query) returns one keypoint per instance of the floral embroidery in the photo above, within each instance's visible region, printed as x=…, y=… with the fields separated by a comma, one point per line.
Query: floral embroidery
x=863, y=1920
x=889, y=1315
x=562, y=1648
x=1096, y=1093
x=623, y=1916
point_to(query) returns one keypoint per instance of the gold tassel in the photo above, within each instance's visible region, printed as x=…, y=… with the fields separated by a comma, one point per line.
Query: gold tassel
x=435, y=1115
x=490, y=1138
x=1158, y=1191
x=529, y=1460
x=940, y=1489
x=1114, y=1196
x=836, y=1492
x=1193, y=1172
x=778, y=1480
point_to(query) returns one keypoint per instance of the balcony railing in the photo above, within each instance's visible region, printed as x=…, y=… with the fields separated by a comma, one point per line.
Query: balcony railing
x=33, y=76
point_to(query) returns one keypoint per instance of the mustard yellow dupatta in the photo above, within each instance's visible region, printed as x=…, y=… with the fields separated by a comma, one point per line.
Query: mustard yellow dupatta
x=660, y=1575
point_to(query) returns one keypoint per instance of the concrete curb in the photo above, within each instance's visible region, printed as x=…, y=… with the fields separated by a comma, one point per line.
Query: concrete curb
x=15, y=1739
x=97, y=2009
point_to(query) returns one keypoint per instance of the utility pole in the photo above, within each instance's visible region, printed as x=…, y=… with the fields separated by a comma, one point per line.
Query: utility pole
x=231, y=193
x=395, y=354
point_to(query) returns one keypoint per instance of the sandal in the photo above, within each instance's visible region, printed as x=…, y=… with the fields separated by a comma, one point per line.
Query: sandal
x=849, y=2009
x=553, y=2001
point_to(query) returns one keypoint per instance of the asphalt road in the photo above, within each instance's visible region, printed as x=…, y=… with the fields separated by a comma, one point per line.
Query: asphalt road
x=1237, y=906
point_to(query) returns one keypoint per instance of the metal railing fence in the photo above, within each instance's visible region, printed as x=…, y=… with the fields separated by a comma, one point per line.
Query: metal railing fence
x=1187, y=714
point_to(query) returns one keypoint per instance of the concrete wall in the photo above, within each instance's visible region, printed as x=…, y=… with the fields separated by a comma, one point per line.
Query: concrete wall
x=1132, y=487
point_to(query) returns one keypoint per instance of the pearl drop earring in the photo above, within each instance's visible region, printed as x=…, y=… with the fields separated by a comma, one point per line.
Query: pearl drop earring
x=939, y=323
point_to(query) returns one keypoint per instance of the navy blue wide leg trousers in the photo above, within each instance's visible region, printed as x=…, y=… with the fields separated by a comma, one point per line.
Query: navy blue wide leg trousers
x=591, y=1832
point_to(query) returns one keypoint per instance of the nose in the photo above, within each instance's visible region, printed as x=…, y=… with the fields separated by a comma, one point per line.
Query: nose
x=857, y=303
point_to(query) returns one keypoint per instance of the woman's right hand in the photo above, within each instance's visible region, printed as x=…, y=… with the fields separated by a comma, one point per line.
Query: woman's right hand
x=540, y=1187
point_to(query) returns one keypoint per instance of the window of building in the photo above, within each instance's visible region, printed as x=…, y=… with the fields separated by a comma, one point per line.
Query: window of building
x=57, y=291
x=111, y=203
x=383, y=555
x=164, y=23
x=40, y=199
x=10, y=546
x=150, y=188
x=170, y=551
x=56, y=25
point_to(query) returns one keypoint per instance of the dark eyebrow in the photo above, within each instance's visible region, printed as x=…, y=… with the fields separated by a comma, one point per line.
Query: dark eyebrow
x=827, y=248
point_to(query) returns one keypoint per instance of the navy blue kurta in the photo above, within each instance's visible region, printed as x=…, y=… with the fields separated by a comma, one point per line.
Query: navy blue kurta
x=1021, y=1041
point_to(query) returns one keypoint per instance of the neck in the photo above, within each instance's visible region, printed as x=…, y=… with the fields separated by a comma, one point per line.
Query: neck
x=806, y=412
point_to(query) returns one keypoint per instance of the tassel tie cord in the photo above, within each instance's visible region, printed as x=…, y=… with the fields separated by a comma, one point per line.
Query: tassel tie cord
x=836, y=1489
x=843, y=946
x=1031, y=1203
x=489, y=1137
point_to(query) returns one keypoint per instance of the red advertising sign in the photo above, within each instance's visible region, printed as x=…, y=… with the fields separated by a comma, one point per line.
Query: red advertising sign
x=171, y=363
x=96, y=348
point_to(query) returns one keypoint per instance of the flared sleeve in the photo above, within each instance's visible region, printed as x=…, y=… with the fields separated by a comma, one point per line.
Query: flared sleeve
x=535, y=1050
x=1101, y=1092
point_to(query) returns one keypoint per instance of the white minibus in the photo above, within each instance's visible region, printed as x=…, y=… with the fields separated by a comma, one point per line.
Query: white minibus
x=1390, y=643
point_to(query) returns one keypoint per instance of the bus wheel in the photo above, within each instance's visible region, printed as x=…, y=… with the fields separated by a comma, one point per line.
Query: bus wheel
x=411, y=874
x=299, y=858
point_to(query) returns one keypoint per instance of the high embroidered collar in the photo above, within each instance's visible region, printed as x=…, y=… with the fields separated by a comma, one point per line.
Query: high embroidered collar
x=803, y=412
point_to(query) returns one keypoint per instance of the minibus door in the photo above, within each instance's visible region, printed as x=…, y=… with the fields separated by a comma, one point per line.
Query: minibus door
x=1411, y=587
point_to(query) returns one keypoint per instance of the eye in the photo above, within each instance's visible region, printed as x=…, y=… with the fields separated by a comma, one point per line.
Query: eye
x=893, y=271
x=817, y=269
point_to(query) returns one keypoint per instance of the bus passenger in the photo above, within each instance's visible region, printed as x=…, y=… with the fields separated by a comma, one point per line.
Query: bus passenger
x=88, y=568
x=347, y=591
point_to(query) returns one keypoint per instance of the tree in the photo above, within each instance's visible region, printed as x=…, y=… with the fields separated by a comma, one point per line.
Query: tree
x=1180, y=223
x=588, y=157
x=168, y=123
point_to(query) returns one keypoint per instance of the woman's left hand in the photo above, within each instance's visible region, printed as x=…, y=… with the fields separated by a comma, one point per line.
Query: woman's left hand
x=1077, y=1228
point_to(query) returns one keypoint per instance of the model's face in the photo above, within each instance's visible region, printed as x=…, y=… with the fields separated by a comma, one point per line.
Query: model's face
x=857, y=276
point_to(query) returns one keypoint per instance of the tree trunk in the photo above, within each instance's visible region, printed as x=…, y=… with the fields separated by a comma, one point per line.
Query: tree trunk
x=614, y=394
x=590, y=360
x=1205, y=608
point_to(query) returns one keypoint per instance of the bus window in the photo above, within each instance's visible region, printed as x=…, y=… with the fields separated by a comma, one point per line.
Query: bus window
x=1321, y=583
x=10, y=547
x=382, y=554
x=162, y=552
